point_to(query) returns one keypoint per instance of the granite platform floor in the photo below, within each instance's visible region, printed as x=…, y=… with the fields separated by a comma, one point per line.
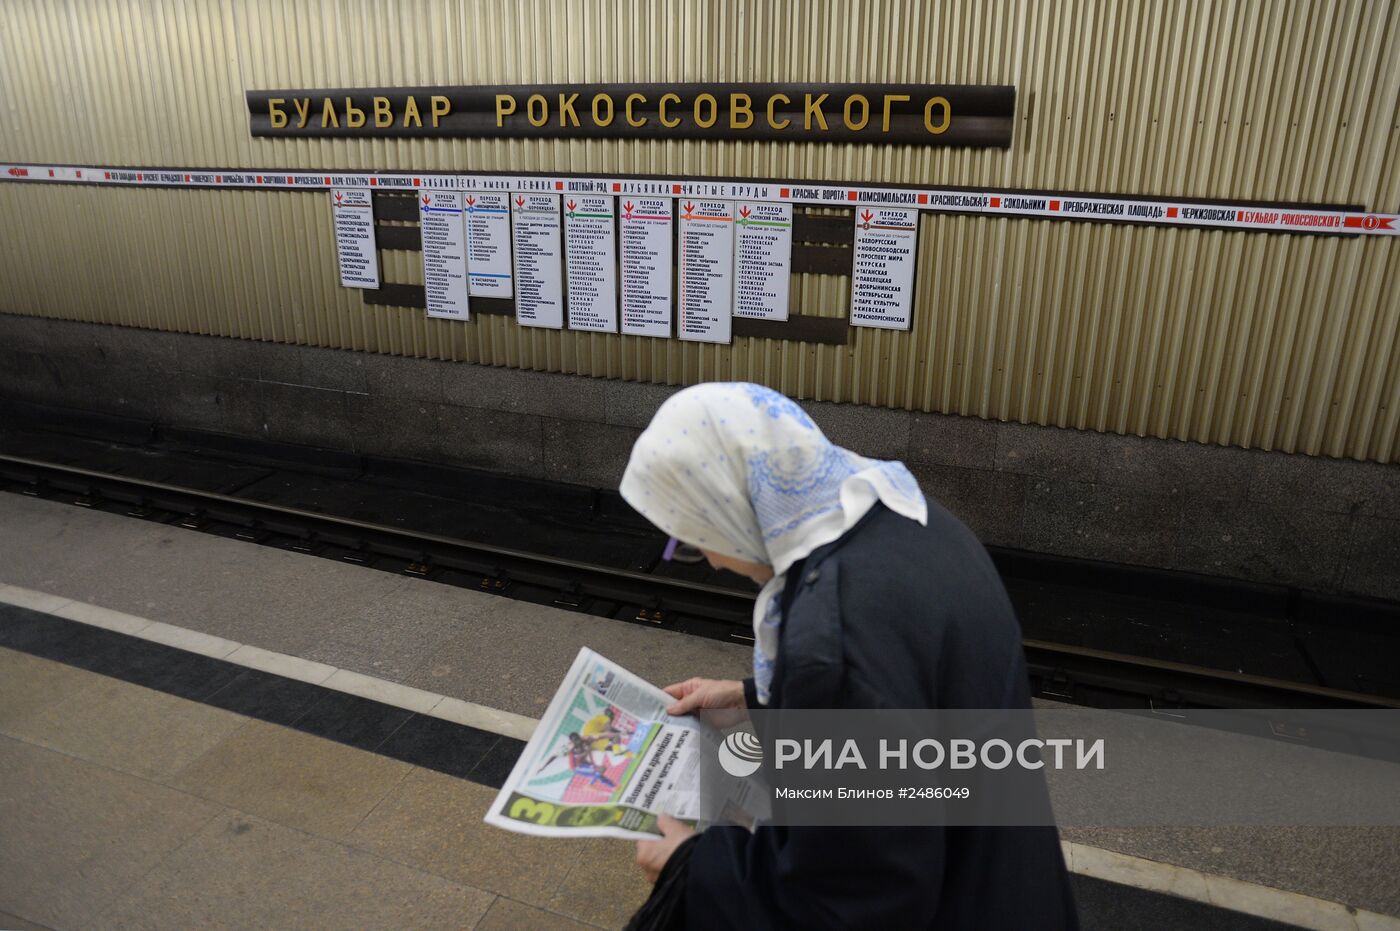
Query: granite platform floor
x=126, y=806
x=123, y=807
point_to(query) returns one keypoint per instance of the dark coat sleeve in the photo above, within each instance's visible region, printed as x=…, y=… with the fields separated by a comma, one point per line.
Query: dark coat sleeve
x=895, y=616
x=815, y=878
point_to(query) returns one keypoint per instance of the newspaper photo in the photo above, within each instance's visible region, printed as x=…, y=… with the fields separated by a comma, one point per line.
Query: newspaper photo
x=606, y=760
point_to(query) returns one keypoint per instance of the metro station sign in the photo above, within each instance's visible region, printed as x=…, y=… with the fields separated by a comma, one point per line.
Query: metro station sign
x=907, y=114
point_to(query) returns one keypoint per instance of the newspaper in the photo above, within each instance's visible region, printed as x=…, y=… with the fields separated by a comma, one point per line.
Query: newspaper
x=606, y=760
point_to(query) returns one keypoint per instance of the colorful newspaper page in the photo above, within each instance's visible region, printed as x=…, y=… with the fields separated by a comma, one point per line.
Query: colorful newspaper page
x=606, y=760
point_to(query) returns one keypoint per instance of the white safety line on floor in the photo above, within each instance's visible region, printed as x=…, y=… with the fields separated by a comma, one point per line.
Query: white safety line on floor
x=1223, y=891
x=1152, y=875
x=432, y=704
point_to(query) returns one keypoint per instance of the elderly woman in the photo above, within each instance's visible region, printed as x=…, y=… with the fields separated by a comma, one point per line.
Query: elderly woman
x=871, y=597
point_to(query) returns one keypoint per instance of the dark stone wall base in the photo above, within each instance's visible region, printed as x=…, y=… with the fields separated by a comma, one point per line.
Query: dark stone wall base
x=1322, y=524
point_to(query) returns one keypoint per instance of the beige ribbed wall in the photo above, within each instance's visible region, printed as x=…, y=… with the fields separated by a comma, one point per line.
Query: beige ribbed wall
x=1255, y=340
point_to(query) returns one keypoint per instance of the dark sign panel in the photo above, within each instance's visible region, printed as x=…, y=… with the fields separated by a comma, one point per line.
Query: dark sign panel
x=917, y=114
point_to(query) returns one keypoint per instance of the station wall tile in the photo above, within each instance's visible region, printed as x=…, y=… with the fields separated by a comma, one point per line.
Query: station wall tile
x=1372, y=566
x=403, y=377
x=633, y=404
x=548, y=425
x=336, y=369
x=992, y=504
x=307, y=416
x=398, y=427
x=962, y=442
x=502, y=389
x=477, y=438
x=1049, y=452
x=1100, y=521
x=878, y=433
x=593, y=454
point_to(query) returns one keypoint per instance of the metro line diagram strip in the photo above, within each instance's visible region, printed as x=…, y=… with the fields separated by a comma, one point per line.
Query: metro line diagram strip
x=1142, y=210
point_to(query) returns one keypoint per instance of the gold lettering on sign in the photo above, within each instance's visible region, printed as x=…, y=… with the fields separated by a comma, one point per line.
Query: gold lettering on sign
x=505, y=106
x=740, y=105
x=383, y=113
x=566, y=110
x=773, y=100
x=714, y=110
x=887, y=113
x=439, y=107
x=598, y=118
x=890, y=99
x=661, y=110
x=947, y=115
x=627, y=109
x=851, y=124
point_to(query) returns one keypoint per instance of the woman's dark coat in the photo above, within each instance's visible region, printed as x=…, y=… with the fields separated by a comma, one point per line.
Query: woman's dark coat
x=892, y=615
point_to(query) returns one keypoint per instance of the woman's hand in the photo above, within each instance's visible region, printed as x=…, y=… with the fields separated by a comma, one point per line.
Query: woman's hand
x=718, y=701
x=653, y=854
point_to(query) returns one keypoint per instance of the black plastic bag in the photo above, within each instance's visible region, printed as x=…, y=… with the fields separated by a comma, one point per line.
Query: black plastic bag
x=664, y=909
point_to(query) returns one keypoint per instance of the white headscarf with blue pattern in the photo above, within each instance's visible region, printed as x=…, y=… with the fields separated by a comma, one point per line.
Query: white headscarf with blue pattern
x=741, y=470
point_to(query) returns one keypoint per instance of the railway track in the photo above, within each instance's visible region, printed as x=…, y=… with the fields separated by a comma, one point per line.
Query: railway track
x=1066, y=673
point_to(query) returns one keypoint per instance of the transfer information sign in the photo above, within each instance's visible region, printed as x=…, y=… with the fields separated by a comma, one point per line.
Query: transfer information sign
x=707, y=270
x=762, y=259
x=646, y=265
x=590, y=252
x=353, y=212
x=882, y=272
x=488, y=244
x=444, y=254
x=539, y=267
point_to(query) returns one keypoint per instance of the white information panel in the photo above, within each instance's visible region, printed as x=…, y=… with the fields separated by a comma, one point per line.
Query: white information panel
x=489, y=267
x=882, y=274
x=353, y=211
x=590, y=254
x=646, y=265
x=762, y=259
x=706, y=293
x=444, y=254
x=539, y=266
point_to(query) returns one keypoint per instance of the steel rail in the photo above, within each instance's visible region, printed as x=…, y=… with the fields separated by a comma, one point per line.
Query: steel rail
x=516, y=565
x=1067, y=672
x=1079, y=675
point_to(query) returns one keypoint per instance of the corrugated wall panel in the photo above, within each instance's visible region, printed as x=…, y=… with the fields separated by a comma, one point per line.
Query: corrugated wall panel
x=1254, y=340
